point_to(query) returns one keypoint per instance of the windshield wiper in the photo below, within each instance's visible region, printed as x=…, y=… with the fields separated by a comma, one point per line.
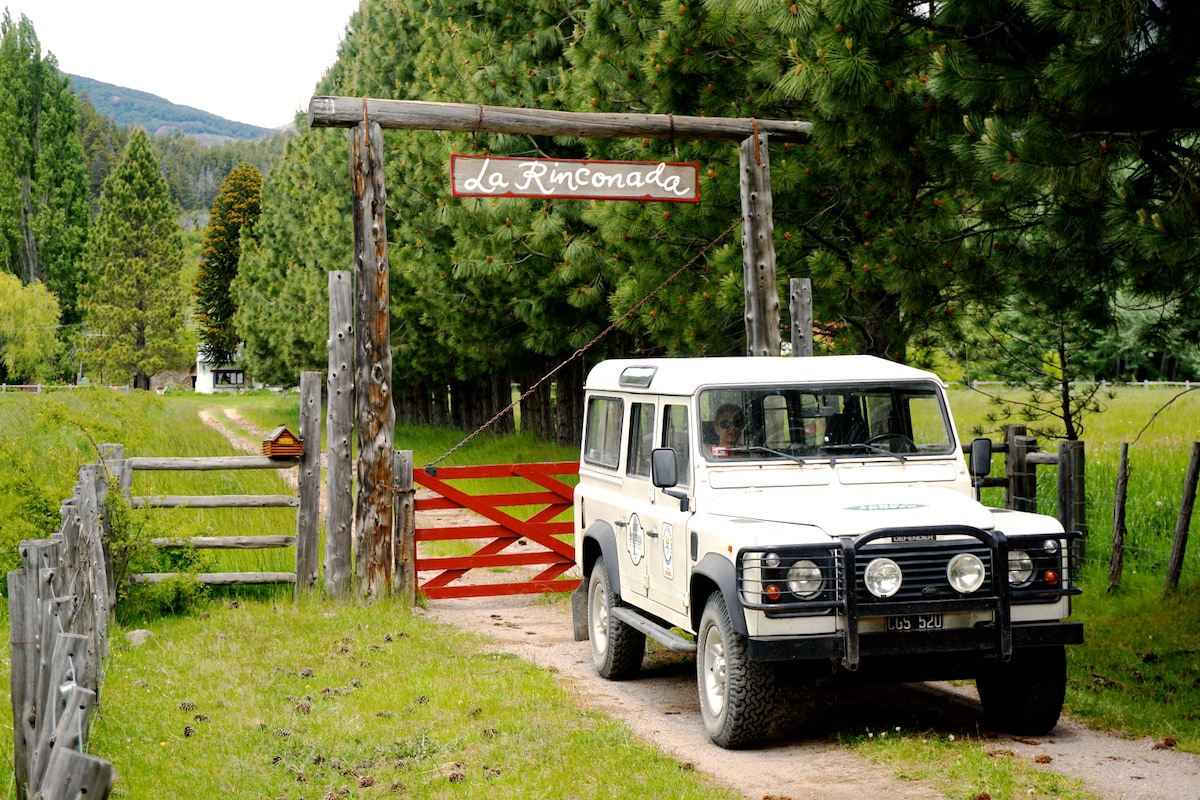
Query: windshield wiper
x=870, y=448
x=757, y=448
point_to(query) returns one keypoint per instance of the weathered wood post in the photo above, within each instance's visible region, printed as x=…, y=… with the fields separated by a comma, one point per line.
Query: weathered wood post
x=1117, y=561
x=801, y=306
x=1020, y=472
x=1183, y=522
x=406, y=545
x=758, y=248
x=1072, y=501
x=339, y=481
x=308, y=515
x=373, y=365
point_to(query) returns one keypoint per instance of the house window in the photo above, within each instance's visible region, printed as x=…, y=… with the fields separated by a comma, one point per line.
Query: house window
x=229, y=377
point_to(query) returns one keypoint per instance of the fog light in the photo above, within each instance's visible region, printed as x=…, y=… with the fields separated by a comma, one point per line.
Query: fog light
x=1050, y=546
x=883, y=577
x=965, y=573
x=1020, y=568
x=771, y=560
x=804, y=579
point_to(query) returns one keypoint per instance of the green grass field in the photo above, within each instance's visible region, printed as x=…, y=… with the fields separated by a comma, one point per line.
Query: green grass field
x=234, y=667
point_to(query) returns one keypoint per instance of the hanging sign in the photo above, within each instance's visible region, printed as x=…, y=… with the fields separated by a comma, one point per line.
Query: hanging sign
x=574, y=179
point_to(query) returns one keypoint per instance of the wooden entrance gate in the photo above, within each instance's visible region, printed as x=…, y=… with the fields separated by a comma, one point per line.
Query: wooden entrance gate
x=511, y=530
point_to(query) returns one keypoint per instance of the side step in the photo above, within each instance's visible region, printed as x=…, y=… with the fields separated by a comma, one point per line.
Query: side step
x=658, y=633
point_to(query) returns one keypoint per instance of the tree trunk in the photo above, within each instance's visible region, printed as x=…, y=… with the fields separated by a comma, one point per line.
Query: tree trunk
x=569, y=402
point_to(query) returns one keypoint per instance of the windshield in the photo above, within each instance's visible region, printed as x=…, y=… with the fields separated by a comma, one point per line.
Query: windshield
x=802, y=422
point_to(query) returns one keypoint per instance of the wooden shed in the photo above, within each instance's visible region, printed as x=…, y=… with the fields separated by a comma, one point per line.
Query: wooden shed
x=282, y=443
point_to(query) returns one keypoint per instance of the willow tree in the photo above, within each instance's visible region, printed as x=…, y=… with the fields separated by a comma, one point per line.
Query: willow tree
x=43, y=177
x=134, y=298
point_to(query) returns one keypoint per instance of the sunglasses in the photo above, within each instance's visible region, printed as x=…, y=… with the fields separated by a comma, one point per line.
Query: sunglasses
x=731, y=423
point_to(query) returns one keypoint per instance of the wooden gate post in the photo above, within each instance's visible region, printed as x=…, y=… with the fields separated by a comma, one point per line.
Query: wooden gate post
x=758, y=249
x=309, y=479
x=339, y=429
x=1117, y=561
x=800, y=304
x=373, y=365
x=406, y=529
x=1184, y=520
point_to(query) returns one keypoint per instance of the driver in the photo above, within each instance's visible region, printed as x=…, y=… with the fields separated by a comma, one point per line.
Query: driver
x=729, y=423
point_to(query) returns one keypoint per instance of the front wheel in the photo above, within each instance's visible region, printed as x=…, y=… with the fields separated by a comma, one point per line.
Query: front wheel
x=617, y=649
x=1025, y=695
x=737, y=694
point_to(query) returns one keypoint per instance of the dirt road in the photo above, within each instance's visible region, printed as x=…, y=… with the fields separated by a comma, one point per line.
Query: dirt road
x=805, y=763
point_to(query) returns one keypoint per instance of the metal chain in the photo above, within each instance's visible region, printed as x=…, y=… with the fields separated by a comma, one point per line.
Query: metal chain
x=627, y=315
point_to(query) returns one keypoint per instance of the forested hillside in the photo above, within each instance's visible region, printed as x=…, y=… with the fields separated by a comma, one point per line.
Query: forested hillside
x=982, y=184
x=160, y=117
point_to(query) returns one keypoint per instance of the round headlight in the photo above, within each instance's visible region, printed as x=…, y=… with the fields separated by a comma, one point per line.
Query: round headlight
x=883, y=577
x=965, y=573
x=1020, y=568
x=804, y=579
x=771, y=560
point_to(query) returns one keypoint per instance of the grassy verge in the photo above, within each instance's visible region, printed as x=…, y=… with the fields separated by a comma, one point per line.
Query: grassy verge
x=965, y=768
x=287, y=701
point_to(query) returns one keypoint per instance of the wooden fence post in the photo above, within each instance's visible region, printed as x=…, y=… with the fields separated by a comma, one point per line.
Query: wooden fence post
x=339, y=506
x=1072, y=502
x=800, y=305
x=373, y=366
x=406, y=545
x=1116, y=562
x=758, y=248
x=1020, y=493
x=308, y=515
x=1183, y=522
x=22, y=611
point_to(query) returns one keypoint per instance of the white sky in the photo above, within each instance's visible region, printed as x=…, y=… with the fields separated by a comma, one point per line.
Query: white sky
x=254, y=61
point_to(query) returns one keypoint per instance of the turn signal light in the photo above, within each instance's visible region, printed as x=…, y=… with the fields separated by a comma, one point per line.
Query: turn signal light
x=773, y=592
x=1051, y=577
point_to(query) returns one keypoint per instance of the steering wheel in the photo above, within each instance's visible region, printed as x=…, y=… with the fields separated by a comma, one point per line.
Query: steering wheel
x=907, y=445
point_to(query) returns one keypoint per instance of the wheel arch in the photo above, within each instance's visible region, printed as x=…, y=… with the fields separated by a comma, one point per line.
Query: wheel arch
x=600, y=540
x=716, y=574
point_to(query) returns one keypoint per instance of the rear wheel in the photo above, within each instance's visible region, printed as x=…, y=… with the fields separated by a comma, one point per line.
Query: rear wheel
x=737, y=694
x=1025, y=695
x=617, y=649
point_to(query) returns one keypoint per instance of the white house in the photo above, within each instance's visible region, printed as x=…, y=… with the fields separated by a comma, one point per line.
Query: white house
x=218, y=378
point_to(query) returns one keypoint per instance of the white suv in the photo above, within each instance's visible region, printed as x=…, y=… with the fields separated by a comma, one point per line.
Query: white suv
x=814, y=515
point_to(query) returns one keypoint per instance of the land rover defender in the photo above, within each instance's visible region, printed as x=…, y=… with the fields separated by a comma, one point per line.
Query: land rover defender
x=809, y=518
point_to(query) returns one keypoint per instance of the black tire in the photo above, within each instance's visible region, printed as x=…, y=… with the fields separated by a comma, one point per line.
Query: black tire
x=1025, y=695
x=617, y=649
x=737, y=695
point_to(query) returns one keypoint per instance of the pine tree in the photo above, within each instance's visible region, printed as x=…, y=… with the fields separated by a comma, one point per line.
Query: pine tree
x=134, y=298
x=234, y=212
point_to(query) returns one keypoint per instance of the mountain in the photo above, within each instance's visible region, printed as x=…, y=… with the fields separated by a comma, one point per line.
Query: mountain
x=161, y=117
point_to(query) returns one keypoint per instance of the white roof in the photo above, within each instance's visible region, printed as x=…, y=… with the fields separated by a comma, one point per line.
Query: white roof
x=683, y=376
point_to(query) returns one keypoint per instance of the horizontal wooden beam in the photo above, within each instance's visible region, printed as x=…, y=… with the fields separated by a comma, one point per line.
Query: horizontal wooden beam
x=213, y=462
x=219, y=578
x=347, y=112
x=226, y=542
x=217, y=501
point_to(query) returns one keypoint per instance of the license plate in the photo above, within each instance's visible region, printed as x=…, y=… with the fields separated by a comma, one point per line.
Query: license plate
x=915, y=622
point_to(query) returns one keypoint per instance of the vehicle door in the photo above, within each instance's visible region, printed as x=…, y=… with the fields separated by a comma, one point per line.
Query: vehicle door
x=668, y=517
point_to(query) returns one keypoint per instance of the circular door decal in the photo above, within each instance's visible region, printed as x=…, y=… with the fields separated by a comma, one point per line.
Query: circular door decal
x=636, y=543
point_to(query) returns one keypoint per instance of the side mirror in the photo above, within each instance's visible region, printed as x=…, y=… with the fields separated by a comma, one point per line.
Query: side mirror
x=663, y=472
x=981, y=458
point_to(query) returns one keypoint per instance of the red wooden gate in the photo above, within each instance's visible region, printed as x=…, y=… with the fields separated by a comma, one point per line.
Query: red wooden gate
x=530, y=527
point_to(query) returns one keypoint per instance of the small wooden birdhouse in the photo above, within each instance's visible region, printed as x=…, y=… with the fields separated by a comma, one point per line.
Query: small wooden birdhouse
x=282, y=443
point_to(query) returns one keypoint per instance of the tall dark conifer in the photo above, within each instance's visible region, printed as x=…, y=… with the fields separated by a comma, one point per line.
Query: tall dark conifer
x=234, y=212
